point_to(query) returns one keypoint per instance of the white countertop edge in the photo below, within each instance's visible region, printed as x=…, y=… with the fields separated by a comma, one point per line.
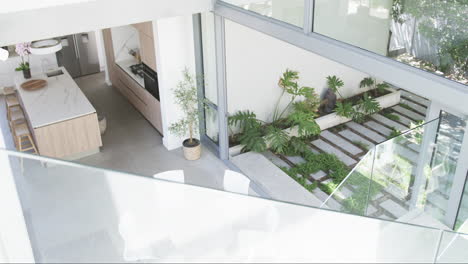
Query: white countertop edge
x=125, y=66
x=64, y=120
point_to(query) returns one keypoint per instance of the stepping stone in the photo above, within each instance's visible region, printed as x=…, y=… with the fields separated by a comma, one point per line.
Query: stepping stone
x=406, y=153
x=393, y=208
x=313, y=150
x=376, y=197
x=403, y=119
x=308, y=182
x=415, y=98
x=343, y=193
x=351, y=136
x=371, y=210
x=296, y=159
x=379, y=128
x=366, y=132
x=396, y=191
x=324, y=146
x=341, y=143
x=416, y=107
x=318, y=175
x=275, y=159
x=320, y=194
x=413, y=115
x=385, y=217
x=389, y=123
x=414, y=147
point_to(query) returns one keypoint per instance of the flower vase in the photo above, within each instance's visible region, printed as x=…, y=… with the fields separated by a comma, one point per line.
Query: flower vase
x=27, y=73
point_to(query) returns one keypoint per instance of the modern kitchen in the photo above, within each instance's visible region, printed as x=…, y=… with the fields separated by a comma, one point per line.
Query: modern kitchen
x=92, y=98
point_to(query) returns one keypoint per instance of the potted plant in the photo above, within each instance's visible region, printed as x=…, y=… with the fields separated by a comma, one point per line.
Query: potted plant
x=186, y=97
x=23, y=50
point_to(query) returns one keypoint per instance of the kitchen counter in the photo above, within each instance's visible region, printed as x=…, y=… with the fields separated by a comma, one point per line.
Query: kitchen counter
x=60, y=100
x=125, y=65
x=62, y=121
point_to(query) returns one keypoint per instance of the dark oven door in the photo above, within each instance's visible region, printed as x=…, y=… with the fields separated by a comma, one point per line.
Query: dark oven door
x=151, y=81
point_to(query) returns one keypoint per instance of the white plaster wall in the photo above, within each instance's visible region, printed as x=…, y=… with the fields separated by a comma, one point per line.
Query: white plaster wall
x=64, y=17
x=124, y=38
x=38, y=63
x=173, y=39
x=255, y=62
x=363, y=23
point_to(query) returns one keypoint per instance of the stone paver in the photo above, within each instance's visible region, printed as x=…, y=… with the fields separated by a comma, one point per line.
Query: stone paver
x=366, y=132
x=350, y=135
x=413, y=115
x=324, y=146
x=371, y=210
x=320, y=194
x=343, y=193
x=414, y=147
x=396, y=191
x=379, y=128
x=403, y=119
x=406, y=153
x=275, y=159
x=341, y=143
x=389, y=123
x=417, y=107
x=393, y=208
x=318, y=175
x=295, y=159
x=415, y=98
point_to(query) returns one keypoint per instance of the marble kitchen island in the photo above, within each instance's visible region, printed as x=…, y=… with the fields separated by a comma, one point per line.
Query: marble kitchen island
x=63, y=122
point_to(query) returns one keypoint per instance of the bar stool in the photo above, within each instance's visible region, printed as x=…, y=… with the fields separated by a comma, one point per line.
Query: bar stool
x=9, y=90
x=22, y=137
x=12, y=103
x=16, y=118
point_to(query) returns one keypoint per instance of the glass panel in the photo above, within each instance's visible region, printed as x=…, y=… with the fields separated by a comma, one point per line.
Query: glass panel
x=82, y=214
x=211, y=124
x=431, y=34
x=461, y=224
x=453, y=248
x=289, y=11
x=209, y=56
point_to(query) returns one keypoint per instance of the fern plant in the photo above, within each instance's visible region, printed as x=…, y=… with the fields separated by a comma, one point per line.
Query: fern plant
x=375, y=87
x=344, y=109
x=369, y=105
x=335, y=83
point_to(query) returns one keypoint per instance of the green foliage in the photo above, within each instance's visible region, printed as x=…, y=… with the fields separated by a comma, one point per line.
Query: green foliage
x=381, y=87
x=344, y=109
x=406, y=106
x=335, y=83
x=361, y=145
x=277, y=138
x=245, y=120
x=186, y=97
x=296, y=146
x=397, y=11
x=395, y=133
x=365, y=107
x=253, y=140
x=444, y=25
x=391, y=116
x=23, y=66
x=367, y=82
x=305, y=122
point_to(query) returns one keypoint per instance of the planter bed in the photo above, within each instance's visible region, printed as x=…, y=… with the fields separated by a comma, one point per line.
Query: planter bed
x=387, y=100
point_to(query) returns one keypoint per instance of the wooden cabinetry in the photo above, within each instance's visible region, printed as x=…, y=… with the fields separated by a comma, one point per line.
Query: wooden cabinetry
x=147, y=47
x=143, y=101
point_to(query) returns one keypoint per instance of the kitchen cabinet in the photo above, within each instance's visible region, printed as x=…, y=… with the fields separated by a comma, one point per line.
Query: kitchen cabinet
x=147, y=51
x=145, y=28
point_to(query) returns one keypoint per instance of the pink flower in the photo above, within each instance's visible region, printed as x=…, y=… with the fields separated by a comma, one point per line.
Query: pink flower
x=23, y=49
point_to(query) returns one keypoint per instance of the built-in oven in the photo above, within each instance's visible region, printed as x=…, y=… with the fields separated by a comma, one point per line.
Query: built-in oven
x=151, y=81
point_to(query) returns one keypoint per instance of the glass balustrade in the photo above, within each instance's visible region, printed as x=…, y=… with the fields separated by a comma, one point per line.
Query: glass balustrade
x=76, y=213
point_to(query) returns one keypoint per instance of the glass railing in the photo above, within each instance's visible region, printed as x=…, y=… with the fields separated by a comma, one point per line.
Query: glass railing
x=407, y=178
x=75, y=213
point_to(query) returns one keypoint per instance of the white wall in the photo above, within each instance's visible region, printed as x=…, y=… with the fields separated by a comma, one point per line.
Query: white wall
x=65, y=19
x=173, y=39
x=124, y=38
x=38, y=63
x=365, y=24
x=255, y=62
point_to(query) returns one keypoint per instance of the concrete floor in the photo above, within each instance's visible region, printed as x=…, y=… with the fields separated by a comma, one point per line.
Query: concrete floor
x=131, y=144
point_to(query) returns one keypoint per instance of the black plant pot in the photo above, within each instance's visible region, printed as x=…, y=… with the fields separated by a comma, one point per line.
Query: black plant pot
x=27, y=73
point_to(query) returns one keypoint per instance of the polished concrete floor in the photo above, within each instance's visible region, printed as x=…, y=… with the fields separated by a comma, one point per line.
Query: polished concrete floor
x=131, y=144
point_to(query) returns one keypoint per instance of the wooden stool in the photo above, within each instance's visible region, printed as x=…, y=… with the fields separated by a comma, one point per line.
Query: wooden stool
x=11, y=103
x=22, y=137
x=16, y=118
x=8, y=90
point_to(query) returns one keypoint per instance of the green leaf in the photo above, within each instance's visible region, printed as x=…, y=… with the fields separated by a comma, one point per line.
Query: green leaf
x=334, y=83
x=305, y=122
x=381, y=87
x=253, y=140
x=277, y=138
x=366, y=82
x=344, y=109
x=245, y=120
x=369, y=105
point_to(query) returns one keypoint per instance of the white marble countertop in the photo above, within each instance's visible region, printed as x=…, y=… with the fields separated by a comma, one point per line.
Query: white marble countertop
x=60, y=100
x=125, y=65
